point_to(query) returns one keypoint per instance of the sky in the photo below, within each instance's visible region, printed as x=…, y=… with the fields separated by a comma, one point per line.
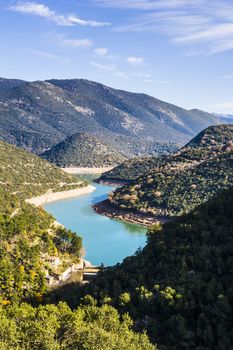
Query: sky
x=180, y=51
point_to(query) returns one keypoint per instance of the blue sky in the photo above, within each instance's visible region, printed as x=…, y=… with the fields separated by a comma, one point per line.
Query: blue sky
x=180, y=51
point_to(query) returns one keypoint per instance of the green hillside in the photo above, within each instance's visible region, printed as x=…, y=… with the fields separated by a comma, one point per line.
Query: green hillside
x=172, y=193
x=179, y=287
x=178, y=183
x=29, y=243
x=28, y=234
x=27, y=175
x=83, y=150
x=208, y=143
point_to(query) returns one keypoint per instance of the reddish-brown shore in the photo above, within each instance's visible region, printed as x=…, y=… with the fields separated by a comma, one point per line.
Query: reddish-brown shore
x=111, y=182
x=110, y=210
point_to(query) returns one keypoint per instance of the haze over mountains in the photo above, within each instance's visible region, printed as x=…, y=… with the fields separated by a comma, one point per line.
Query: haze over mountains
x=38, y=115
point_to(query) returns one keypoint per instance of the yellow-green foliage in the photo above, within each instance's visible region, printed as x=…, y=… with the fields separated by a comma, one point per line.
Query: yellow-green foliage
x=27, y=175
x=27, y=233
x=58, y=328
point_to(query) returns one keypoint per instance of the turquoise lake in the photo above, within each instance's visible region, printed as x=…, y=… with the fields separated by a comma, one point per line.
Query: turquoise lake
x=105, y=240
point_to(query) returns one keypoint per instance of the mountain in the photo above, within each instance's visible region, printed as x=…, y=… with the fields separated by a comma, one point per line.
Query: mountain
x=38, y=115
x=177, y=184
x=208, y=143
x=7, y=84
x=179, y=287
x=225, y=118
x=82, y=150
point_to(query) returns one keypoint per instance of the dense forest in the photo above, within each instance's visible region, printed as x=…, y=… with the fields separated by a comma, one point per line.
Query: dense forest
x=173, y=193
x=180, y=286
x=51, y=327
x=179, y=183
x=207, y=144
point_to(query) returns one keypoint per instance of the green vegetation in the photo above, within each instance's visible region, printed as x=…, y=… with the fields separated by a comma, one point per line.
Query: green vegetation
x=58, y=328
x=179, y=287
x=28, y=235
x=33, y=248
x=82, y=150
x=26, y=175
x=179, y=183
x=176, y=193
x=207, y=144
x=131, y=169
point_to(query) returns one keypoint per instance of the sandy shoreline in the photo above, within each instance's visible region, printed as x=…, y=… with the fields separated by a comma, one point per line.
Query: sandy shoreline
x=51, y=197
x=87, y=170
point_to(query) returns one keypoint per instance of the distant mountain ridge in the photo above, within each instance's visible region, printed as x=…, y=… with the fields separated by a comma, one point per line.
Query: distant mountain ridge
x=82, y=150
x=38, y=115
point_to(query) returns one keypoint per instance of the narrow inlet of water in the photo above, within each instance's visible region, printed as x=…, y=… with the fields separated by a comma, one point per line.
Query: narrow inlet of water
x=105, y=240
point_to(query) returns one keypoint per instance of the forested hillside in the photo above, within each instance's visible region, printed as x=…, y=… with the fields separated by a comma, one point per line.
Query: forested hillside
x=179, y=287
x=177, y=184
x=27, y=175
x=34, y=251
x=173, y=193
x=83, y=150
x=28, y=234
x=51, y=327
x=207, y=144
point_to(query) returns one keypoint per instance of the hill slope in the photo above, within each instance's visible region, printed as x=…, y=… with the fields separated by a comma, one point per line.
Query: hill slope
x=35, y=250
x=178, y=183
x=179, y=287
x=208, y=143
x=27, y=175
x=7, y=84
x=28, y=234
x=82, y=150
x=38, y=115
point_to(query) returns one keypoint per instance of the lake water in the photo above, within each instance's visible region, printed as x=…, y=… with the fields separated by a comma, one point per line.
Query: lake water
x=105, y=240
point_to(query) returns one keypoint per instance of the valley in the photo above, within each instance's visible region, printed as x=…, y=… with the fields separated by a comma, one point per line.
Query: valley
x=110, y=222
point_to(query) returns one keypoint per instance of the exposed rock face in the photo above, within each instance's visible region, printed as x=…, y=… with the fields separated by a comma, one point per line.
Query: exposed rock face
x=38, y=115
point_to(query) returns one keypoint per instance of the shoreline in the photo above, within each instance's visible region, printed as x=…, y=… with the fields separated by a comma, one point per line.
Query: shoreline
x=55, y=196
x=109, y=210
x=80, y=170
x=111, y=182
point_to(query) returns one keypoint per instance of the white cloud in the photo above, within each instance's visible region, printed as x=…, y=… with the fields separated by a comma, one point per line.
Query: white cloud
x=44, y=54
x=148, y=4
x=141, y=75
x=203, y=26
x=75, y=43
x=101, y=51
x=44, y=11
x=111, y=68
x=48, y=55
x=134, y=60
